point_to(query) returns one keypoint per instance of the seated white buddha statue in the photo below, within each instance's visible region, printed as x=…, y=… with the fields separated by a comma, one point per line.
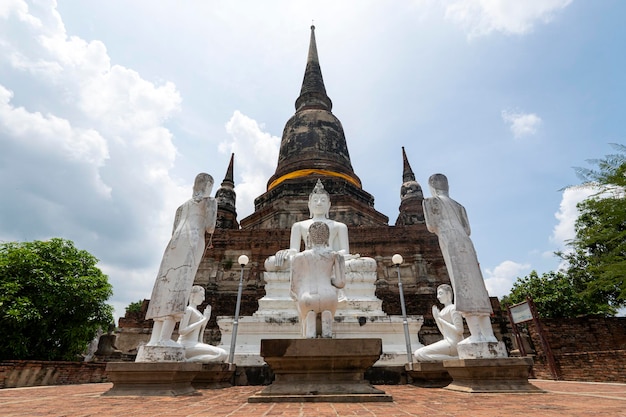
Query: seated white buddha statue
x=319, y=206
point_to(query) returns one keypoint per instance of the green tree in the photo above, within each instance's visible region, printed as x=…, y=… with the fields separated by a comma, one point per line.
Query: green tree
x=134, y=307
x=52, y=300
x=593, y=280
x=556, y=295
x=599, y=248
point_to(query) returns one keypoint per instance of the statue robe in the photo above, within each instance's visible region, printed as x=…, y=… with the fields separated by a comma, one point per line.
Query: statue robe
x=182, y=257
x=448, y=220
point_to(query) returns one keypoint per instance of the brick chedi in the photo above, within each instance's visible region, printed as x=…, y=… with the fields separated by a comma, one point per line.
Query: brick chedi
x=314, y=147
x=226, y=200
x=411, y=197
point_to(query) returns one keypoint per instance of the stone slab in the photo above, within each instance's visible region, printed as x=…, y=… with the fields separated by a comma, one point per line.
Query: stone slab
x=319, y=370
x=428, y=374
x=504, y=375
x=321, y=398
x=214, y=375
x=169, y=379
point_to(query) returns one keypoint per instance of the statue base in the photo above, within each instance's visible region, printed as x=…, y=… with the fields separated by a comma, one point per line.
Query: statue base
x=214, y=375
x=481, y=350
x=320, y=370
x=170, y=379
x=428, y=374
x=491, y=375
x=160, y=354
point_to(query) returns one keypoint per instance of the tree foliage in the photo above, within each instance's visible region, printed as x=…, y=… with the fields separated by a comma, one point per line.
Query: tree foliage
x=556, y=295
x=52, y=300
x=134, y=307
x=599, y=248
x=593, y=278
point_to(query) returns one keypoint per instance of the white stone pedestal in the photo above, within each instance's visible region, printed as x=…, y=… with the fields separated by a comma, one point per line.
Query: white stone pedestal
x=160, y=354
x=358, y=315
x=481, y=350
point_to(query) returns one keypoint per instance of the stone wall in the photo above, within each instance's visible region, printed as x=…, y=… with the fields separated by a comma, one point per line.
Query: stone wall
x=584, y=349
x=16, y=373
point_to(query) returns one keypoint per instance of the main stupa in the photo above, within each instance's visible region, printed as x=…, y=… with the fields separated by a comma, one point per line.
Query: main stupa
x=313, y=147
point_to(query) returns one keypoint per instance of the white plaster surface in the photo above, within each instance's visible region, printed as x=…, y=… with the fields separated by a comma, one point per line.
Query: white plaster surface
x=160, y=354
x=481, y=350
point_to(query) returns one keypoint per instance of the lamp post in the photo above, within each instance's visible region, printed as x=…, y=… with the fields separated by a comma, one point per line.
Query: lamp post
x=243, y=261
x=397, y=260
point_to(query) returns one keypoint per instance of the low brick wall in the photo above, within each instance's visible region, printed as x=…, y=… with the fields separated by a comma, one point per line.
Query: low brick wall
x=605, y=366
x=14, y=374
x=589, y=349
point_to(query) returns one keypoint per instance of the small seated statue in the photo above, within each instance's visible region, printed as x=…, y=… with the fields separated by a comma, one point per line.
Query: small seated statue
x=191, y=331
x=316, y=274
x=319, y=207
x=106, y=345
x=450, y=324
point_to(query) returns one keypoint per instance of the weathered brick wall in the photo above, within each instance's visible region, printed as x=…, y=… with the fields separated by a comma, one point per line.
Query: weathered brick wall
x=584, y=349
x=16, y=373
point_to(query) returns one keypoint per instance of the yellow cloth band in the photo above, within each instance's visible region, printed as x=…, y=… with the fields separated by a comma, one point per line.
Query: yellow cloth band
x=304, y=172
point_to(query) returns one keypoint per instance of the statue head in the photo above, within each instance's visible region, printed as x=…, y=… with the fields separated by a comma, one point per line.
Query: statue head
x=438, y=184
x=319, y=201
x=197, y=295
x=318, y=234
x=445, y=295
x=202, y=186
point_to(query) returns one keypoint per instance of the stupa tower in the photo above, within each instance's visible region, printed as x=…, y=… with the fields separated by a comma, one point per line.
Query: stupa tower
x=411, y=197
x=226, y=200
x=313, y=147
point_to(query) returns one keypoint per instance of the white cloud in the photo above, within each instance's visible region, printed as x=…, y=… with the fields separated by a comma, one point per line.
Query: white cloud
x=86, y=146
x=567, y=215
x=482, y=17
x=522, y=124
x=256, y=155
x=20, y=8
x=53, y=136
x=500, y=279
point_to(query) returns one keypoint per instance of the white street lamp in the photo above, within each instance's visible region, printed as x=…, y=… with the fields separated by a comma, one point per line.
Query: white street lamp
x=397, y=260
x=243, y=261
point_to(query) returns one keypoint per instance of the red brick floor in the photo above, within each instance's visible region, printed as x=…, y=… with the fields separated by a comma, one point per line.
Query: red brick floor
x=561, y=399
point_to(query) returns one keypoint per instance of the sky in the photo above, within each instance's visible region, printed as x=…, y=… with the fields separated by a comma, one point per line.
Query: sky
x=108, y=110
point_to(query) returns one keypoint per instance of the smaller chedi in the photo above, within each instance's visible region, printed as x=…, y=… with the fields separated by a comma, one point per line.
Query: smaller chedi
x=316, y=274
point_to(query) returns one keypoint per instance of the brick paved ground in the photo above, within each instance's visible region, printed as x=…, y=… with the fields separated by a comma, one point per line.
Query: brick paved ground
x=561, y=399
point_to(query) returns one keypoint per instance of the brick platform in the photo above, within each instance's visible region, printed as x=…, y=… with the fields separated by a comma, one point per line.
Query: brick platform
x=570, y=399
